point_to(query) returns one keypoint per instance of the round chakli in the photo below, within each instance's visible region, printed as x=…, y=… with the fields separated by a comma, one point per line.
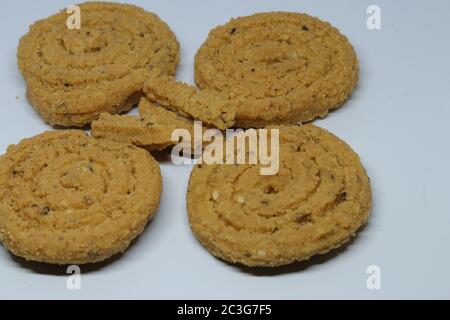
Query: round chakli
x=74, y=75
x=67, y=198
x=318, y=199
x=281, y=67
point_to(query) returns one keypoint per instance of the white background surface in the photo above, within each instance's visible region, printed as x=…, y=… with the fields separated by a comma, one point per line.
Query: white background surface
x=397, y=120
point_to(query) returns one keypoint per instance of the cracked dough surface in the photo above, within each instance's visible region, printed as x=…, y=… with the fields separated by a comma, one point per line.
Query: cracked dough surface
x=281, y=67
x=209, y=106
x=74, y=75
x=67, y=198
x=152, y=130
x=317, y=201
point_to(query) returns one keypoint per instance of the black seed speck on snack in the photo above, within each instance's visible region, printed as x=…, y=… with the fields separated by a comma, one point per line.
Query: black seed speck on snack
x=342, y=197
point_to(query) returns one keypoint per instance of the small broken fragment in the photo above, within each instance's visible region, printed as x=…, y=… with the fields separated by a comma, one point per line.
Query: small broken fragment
x=206, y=105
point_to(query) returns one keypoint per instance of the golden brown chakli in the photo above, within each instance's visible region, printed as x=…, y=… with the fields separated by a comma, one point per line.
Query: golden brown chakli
x=74, y=75
x=279, y=67
x=317, y=201
x=67, y=198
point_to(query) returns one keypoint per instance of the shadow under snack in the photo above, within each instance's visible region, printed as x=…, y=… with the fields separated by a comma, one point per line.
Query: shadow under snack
x=61, y=270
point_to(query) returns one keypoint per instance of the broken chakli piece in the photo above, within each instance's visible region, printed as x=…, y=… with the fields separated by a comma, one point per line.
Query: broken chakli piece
x=168, y=106
x=211, y=107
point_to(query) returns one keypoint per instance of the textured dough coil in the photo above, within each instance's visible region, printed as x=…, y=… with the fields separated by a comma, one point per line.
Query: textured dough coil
x=67, y=198
x=74, y=75
x=280, y=67
x=317, y=201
